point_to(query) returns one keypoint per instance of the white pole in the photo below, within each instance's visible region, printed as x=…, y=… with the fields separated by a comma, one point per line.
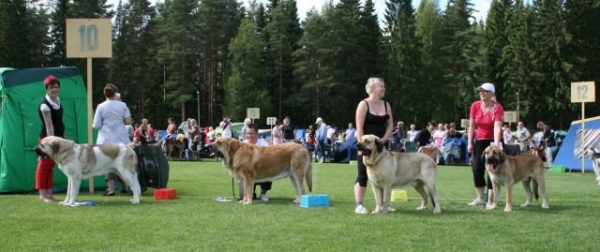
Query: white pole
x=582, y=137
x=198, y=97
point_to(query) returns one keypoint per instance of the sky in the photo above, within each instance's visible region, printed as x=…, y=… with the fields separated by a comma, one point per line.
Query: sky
x=481, y=6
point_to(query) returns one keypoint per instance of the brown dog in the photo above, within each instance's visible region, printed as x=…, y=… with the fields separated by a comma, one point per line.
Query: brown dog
x=507, y=170
x=387, y=170
x=252, y=163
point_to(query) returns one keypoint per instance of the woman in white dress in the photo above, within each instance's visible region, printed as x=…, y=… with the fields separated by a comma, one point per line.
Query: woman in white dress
x=110, y=119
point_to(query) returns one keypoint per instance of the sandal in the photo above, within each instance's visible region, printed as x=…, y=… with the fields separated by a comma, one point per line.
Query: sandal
x=109, y=194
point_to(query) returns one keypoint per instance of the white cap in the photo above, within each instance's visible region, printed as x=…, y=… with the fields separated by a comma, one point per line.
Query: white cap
x=487, y=86
x=319, y=120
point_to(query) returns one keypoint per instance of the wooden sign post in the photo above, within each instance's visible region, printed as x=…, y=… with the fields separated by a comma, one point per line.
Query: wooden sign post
x=583, y=92
x=89, y=38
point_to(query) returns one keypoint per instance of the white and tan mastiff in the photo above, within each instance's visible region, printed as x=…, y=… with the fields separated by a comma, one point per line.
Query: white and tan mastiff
x=82, y=161
x=508, y=170
x=387, y=170
x=252, y=163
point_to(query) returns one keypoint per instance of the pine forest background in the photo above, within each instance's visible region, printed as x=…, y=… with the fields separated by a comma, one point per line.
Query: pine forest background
x=172, y=54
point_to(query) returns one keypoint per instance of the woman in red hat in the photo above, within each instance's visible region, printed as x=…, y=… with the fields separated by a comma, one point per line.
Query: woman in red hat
x=51, y=114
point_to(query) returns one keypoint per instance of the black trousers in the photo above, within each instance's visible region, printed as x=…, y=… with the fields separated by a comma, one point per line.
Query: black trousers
x=478, y=166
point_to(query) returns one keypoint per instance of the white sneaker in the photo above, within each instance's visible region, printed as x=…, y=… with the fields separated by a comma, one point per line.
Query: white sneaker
x=321, y=160
x=264, y=197
x=477, y=202
x=360, y=209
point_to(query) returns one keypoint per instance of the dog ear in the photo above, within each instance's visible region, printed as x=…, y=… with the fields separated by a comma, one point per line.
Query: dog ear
x=55, y=146
x=380, y=144
x=233, y=146
x=501, y=157
x=483, y=155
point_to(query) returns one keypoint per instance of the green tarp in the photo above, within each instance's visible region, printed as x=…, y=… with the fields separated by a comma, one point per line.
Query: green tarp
x=21, y=91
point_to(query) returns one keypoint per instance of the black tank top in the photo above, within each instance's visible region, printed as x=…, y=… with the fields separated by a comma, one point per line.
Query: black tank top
x=56, y=115
x=376, y=124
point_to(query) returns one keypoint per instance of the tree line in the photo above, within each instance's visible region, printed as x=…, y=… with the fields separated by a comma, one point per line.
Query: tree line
x=210, y=58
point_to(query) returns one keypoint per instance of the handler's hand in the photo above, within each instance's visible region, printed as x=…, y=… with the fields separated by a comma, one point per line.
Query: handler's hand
x=470, y=148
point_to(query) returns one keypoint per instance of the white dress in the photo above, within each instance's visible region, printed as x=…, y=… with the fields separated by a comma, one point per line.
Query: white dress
x=109, y=122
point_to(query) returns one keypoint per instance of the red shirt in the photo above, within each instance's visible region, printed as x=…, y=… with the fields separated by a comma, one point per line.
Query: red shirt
x=484, y=123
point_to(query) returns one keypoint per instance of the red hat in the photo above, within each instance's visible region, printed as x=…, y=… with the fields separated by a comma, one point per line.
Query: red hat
x=51, y=79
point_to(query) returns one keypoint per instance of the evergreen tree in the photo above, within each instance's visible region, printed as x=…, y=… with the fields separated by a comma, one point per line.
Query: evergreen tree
x=177, y=56
x=496, y=38
x=246, y=85
x=581, y=20
x=518, y=55
x=132, y=59
x=217, y=23
x=404, y=61
x=458, y=34
x=40, y=43
x=58, y=53
x=14, y=40
x=283, y=34
x=553, y=71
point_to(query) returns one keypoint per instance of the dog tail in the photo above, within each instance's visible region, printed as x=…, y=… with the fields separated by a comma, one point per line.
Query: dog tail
x=308, y=174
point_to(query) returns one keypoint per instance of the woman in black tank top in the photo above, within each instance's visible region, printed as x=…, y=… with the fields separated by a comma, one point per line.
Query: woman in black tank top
x=373, y=116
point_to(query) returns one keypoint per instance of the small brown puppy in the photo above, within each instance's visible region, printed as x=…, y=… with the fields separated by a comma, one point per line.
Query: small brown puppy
x=507, y=170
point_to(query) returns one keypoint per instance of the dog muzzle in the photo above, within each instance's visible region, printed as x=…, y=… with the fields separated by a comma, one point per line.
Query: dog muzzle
x=491, y=164
x=362, y=150
x=41, y=153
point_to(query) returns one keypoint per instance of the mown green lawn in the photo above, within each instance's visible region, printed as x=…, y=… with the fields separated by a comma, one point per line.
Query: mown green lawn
x=195, y=222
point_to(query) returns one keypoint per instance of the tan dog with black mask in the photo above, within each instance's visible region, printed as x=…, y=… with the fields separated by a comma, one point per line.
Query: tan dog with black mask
x=387, y=170
x=508, y=170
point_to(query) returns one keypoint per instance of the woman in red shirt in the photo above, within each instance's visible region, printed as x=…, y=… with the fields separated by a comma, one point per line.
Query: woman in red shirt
x=485, y=124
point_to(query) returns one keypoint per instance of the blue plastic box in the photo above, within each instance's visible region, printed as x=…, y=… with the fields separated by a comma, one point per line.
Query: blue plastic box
x=316, y=200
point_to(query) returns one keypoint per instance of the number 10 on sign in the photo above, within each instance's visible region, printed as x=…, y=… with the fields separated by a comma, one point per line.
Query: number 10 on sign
x=89, y=38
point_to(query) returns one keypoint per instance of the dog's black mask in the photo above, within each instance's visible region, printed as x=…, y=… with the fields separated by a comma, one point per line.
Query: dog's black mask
x=40, y=153
x=216, y=151
x=493, y=161
x=365, y=152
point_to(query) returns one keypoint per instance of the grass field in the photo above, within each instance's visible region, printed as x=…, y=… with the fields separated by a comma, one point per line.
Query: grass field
x=195, y=222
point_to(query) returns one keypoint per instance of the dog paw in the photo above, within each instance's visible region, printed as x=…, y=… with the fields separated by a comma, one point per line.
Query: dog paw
x=545, y=206
x=525, y=205
x=422, y=208
x=437, y=211
x=507, y=210
x=490, y=207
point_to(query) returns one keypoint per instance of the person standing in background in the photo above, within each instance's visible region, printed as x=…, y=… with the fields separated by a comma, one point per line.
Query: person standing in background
x=110, y=119
x=321, y=139
x=226, y=126
x=276, y=135
x=523, y=137
x=288, y=130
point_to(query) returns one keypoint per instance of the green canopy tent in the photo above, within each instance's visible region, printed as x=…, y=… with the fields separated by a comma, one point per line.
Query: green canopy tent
x=21, y=91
